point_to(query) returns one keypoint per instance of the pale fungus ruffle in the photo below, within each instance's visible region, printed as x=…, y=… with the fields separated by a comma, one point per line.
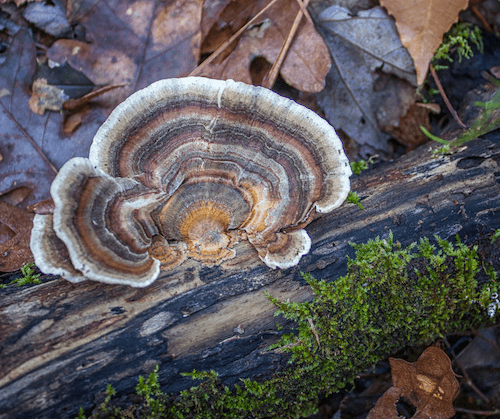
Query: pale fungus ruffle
x=187, y=168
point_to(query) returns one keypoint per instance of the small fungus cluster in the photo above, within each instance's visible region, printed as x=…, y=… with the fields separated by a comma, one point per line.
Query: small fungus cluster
x=187, y=168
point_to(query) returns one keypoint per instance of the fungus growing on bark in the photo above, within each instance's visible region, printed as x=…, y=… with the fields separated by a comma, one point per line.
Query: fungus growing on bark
x=187, y=168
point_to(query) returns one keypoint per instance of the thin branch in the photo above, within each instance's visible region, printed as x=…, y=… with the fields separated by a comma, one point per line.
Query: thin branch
x=478, y=412
x=217, y=52
x=313, y=329
x=445, y=98
x=72, y=104
x=303, y=6
x=271, y=77
x=482, y=19
x=464, y=372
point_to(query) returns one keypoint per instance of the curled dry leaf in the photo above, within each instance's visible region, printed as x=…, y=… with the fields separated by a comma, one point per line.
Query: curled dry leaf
x=421, y=25
x=429, y=384
x=307, y=61
x=46, y=97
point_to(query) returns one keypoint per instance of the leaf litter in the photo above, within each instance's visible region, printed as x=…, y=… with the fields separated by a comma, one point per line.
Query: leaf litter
x=305, y=65
x=364, y=47
x=429, y=384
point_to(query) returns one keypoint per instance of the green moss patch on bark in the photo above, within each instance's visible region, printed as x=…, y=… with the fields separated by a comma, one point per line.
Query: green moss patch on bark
x=390, y=298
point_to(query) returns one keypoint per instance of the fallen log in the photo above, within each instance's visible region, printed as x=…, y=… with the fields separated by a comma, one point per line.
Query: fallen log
x=61, y=343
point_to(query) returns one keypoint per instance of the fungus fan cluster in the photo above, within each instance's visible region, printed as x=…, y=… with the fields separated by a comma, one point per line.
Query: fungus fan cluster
x=187, y=168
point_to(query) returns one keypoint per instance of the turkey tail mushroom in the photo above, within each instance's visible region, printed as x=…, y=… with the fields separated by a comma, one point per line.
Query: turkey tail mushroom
x=187, y=168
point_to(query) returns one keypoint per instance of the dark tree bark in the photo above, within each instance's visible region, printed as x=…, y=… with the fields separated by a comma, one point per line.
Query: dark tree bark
x=62, y=343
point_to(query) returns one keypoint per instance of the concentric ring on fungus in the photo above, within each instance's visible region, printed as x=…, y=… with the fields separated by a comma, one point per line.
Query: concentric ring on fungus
x=187, y=168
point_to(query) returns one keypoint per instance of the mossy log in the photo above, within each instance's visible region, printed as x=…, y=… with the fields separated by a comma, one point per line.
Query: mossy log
x=62, y=343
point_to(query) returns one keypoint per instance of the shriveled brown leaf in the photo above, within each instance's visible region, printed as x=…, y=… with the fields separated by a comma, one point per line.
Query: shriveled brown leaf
x=15, y=231
x=421, y=25
x=385, y=408
x=139, y=42
x=46, y=97
x=307, y=61
x=16, y=196
x=429, y=383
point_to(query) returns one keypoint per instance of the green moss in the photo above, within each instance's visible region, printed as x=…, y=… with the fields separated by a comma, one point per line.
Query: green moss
x=390, y=298
x=459, y=38
x=27, y=278
x=358, y=166
x=444, y=150
x=353, y=198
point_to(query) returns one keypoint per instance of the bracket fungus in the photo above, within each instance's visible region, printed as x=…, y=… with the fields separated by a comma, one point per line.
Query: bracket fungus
x=187, y=168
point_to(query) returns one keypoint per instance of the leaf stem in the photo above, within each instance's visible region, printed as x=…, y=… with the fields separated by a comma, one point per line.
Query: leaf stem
x=445, y=98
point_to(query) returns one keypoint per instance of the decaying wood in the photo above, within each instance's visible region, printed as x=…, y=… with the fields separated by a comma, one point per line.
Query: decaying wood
x=62, y=343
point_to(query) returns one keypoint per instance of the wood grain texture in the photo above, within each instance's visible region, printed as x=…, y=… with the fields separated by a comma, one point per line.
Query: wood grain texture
x=61, y=343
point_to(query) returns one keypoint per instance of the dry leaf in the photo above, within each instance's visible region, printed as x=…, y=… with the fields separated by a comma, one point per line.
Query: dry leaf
x=421, y=25
x=133, y=42
x=429, y=383
x=16, y=196
x=363, y=47
x=46, y=97
x=397, y=113
x=221, y=20
x=306, y=63
x=49, y=18
x=385, y=408
x=15, y=232
x=22, y=164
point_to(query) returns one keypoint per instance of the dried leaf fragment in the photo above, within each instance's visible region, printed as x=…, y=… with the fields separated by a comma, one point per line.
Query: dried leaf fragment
x=46, y=97
x=429, y=384
x=15, y=251
x=421, y=25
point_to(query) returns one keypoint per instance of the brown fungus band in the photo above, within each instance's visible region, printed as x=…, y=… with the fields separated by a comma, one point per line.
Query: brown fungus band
x=187, y=168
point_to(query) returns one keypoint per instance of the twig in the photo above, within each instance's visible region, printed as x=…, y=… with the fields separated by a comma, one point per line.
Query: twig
x=72, y=104
x=445, y=98
x=464, y=372
x=303, y=6
x=492, y=343
x=482, y=19
x=271, y=77
x=314, y=332
x=217, y=52
x=478, y=412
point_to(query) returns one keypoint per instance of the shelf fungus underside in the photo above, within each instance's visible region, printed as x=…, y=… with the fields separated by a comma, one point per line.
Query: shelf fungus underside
x=187, y=168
